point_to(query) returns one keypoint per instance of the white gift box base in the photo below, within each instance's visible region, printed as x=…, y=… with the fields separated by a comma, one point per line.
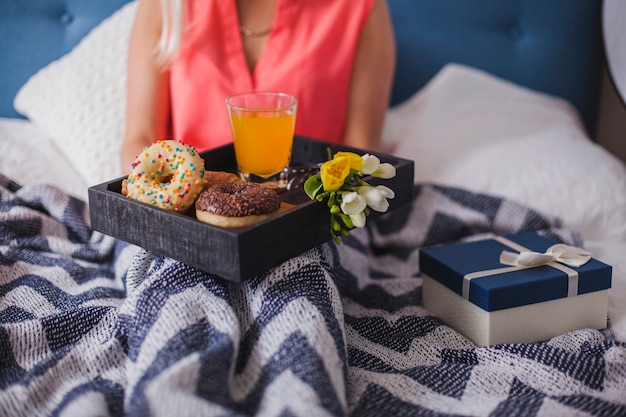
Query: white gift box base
x=524, y=324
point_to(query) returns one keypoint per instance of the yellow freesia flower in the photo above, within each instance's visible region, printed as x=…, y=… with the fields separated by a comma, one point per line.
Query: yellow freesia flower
x=356, y=161
x=334, y=172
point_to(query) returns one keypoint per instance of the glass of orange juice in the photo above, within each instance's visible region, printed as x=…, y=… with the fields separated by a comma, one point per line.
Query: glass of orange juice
x=263, y=126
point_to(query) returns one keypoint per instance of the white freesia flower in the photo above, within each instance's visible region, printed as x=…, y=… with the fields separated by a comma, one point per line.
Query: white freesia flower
x=358, y=220
x=373, y=167
x=352, y=203
x=384, y=171
x=376, y=197
x=370, y=163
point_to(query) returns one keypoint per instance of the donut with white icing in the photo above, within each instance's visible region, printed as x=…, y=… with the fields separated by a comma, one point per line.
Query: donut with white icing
x=167, y=174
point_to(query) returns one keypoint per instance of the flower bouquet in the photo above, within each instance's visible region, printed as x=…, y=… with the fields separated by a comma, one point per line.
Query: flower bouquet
x=350, y=199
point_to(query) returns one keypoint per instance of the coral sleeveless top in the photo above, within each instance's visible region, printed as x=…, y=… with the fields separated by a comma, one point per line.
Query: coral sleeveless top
x=309, y=54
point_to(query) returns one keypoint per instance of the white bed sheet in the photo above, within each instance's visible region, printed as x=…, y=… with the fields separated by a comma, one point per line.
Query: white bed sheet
x=469, y=129
x=29, y=156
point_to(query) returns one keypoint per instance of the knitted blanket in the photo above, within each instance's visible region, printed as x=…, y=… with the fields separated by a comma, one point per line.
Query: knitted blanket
x=92, y=326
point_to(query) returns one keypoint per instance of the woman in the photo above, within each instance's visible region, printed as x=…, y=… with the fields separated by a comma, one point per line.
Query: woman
x=186, y=56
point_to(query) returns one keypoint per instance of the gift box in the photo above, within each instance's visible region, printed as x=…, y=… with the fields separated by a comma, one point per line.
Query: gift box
x=518, y=288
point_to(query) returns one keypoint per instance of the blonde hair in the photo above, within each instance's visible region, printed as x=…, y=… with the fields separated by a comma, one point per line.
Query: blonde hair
x=171, y=31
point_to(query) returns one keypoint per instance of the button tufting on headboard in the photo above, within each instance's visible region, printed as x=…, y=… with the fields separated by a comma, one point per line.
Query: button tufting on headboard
x=67, y=18
x=516, y=32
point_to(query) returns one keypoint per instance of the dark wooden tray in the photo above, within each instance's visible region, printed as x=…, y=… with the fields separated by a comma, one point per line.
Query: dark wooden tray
x=234, y=254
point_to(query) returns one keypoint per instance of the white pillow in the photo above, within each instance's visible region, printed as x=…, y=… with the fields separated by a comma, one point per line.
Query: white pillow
x=469, y=129
x=79, y=99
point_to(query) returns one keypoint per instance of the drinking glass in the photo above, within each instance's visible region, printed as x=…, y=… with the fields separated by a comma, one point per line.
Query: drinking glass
x=262, y=125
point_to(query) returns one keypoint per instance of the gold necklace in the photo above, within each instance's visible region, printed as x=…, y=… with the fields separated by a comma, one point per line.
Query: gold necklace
x=246, y=31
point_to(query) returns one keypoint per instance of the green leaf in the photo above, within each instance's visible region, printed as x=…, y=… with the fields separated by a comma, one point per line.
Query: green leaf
x=313, y=185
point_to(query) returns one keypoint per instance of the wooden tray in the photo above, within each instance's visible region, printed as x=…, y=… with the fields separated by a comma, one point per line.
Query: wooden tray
x=235, y=254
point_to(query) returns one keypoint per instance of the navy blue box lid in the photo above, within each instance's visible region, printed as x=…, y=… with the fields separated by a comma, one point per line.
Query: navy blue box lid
x=448, y=264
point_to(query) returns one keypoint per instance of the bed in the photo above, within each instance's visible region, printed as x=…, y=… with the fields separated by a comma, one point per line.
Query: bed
x=495, y=102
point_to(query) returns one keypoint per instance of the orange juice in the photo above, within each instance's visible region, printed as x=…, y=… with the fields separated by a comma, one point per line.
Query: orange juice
x=263, y=141
x=263, y=125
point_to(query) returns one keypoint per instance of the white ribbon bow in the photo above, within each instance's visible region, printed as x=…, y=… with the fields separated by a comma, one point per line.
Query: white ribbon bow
x=565, y=254
x=557, y=256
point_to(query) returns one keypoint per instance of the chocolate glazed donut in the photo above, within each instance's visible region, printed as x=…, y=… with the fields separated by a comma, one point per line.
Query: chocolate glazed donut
x=236, y=204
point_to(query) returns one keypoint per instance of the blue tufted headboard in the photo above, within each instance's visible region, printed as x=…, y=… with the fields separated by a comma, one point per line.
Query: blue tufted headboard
x=553, y=46
x=35, y=32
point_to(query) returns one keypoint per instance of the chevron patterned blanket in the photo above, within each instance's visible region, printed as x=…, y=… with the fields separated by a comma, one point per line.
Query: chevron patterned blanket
x=91, y=326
